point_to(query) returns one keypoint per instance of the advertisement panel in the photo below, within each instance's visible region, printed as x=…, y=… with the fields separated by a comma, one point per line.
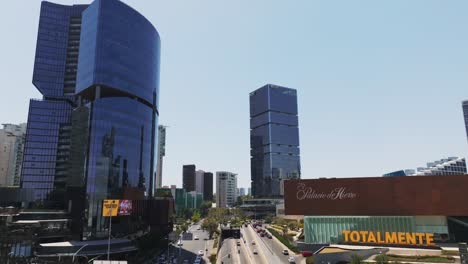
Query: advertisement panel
x=378, y=196
x=125, y=207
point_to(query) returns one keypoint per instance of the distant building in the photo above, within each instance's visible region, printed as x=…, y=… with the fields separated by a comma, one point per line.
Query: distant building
x=448, y=166
x=182, y=199
x=274, y=140
x=11, y=153
x=226, y=188
x=241, y=191
x=188, y=178
x=199, y=179
x=161, y=154
x=249, y=191
x=208, y=186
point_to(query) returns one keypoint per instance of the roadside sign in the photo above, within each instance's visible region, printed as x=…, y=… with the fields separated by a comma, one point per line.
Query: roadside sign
x=110, y=207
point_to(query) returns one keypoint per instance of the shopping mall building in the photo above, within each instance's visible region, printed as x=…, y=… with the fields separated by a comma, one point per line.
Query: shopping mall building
x=410, y=211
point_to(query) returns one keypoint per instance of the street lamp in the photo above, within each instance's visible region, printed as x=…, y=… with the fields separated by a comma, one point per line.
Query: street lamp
x=73, y=259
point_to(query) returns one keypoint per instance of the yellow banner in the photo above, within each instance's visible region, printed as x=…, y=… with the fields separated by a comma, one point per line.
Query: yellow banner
x=110, y=207
x=397, y=238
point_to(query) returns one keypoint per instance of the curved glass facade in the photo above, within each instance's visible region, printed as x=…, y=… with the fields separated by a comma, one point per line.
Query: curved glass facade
x=119, y=49
x=95, y=130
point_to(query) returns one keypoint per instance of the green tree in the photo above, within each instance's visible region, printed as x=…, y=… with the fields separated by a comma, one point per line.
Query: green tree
x=381, y=259
x=356, y=259
x=205, y=207
x=210, y=225
x=292, y=225
x=196, y=216
x=184, y=227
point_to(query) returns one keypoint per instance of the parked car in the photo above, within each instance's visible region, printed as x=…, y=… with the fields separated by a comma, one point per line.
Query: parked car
x=269, y=236
x=307, y=253
x=285, y=252
x=291, y=259
x=262, y=234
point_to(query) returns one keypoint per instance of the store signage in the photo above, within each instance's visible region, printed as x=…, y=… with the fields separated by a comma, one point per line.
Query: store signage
x=396, y=238
x=339, y=193
x=110, y=207
x=125, y=207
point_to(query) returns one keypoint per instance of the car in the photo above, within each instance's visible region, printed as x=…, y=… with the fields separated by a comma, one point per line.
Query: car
x=262, y=234
x=196, y=238
x=255, y=251
x=306, y=254
x=201, y=252
x=285, y=252
x=269, y=236
x=291, y=259
x=179, y=243
x=238, y=243
x=198, y=228
x=253, y=242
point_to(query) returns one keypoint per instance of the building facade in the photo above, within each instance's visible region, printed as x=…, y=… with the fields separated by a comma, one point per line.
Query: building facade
x=94, y=131
x=208, y=186
x=11, y=153
x=446, y=166
x=384, y=206
x=188, y=178
x=199, y=180
x=161, y=154
x=226, y=189
x=274, y=140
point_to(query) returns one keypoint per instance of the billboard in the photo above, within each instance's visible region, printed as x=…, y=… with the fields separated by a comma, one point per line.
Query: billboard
x=125, y=207
x=378, y=196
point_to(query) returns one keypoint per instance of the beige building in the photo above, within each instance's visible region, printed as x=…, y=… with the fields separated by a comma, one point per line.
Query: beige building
x=11, y=153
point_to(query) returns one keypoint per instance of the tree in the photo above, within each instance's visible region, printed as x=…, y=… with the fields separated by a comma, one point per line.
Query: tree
x=356, y=259
x=381, y=259
x=205, y=207
x=184, y=227
x=292, y=225
x=196, y=216
x=210, y=225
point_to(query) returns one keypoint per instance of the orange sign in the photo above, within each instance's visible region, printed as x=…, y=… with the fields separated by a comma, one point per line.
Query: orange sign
x=397, y=238
x=110, y=207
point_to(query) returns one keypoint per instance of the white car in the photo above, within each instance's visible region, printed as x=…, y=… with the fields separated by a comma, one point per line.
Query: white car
x=285, y=252
x=179, y=243
x=196, y=238
x=255, y=251
x=291, y=259
x=200, y=252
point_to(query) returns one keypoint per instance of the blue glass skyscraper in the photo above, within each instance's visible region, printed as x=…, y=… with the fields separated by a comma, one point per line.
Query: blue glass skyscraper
x=97, y=67
x=274, y=140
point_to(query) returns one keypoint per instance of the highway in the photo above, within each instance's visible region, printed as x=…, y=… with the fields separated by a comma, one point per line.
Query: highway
x=189, y=249
x=229, y=253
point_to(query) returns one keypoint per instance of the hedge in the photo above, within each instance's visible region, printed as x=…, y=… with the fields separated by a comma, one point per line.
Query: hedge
x=283, y=240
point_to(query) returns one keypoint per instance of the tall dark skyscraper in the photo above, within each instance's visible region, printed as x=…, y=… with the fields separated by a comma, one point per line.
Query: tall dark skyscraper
x=97, y=67
x=208, y=186
x=274, y=140
x=188, y=177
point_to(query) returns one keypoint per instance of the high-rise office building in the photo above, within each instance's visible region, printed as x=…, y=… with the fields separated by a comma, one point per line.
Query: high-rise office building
x=226, y=189
x=465, y=115
x=161, y=154
x=199, y=179
x=249, y=191
x=274, y=140
x=11, y=153
x=241, y=191
x=97, y=67
x=189, y=177
x=208, y=186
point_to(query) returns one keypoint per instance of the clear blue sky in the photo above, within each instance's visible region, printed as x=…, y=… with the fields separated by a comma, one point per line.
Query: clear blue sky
x=380, y=83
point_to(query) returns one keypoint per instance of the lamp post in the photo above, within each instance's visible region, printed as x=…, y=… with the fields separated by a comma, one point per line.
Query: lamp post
x=74, y=254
